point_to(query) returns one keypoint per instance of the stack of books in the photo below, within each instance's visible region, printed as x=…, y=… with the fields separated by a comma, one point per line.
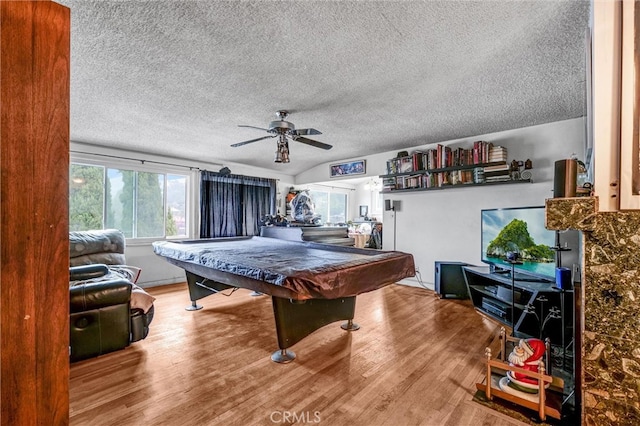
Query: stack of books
x=500, y=170
x=497, y=154
x=498, y=173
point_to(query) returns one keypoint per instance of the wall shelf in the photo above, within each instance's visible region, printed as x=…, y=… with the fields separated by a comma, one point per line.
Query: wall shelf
x=445, y=169
x=460, y=185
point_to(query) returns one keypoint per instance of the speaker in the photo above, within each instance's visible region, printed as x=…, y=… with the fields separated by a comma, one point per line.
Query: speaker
x=388, y=205
x=564, y=178
x=449, y=280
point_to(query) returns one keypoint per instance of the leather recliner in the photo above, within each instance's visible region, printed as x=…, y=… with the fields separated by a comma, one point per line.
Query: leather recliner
x=102, y=319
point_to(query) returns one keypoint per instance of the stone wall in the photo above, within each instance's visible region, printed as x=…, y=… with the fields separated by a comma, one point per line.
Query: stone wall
x=610, y=342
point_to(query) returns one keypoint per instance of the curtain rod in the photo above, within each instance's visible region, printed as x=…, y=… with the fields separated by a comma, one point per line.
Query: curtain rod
x=137, y=159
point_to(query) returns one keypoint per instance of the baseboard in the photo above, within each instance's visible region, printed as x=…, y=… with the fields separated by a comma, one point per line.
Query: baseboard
x=415, y=283
x=158, y=283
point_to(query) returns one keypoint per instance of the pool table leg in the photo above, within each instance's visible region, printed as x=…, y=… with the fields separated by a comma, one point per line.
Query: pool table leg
x=200, y=287
x=296, y=319
x=350, y=326
x=283, y=356
x=193, y=307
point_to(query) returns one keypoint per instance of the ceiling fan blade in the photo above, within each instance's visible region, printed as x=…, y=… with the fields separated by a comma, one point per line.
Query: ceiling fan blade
x=312, y=142
x=306, y=132
x=252, y=140
x=253, y=127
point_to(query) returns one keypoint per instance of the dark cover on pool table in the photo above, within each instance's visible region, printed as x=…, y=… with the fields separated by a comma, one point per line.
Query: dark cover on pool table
x=311, y=270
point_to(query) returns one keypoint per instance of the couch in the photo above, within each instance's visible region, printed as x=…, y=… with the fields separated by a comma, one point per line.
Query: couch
x=108, y=311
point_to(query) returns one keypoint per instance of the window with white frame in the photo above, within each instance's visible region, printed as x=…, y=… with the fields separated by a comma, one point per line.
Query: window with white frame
x=331, y=205
x=139, y=201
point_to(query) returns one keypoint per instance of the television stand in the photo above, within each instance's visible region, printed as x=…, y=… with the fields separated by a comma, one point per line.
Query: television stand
x=492, y=296
x=532, y=280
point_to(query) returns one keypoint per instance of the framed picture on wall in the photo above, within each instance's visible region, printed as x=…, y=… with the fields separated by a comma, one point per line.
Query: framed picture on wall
x=347, y=169
x=364, y=211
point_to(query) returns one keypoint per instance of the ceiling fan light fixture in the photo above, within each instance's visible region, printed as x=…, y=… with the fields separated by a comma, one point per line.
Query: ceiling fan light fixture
x=284, y=129
x=282, y=154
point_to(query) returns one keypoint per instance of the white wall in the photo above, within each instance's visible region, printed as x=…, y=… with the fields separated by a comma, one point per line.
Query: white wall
x=444, y=225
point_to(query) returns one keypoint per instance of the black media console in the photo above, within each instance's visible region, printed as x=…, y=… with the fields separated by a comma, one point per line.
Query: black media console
x=533, y=301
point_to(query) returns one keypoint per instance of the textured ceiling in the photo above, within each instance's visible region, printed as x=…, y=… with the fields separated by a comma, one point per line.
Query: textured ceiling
x=177, y=77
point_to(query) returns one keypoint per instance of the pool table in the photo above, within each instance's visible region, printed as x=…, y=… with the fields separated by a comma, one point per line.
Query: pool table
x=310, y=284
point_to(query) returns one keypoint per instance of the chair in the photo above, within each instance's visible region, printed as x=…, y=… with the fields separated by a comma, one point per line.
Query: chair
x=107, y=310
x=375, y=241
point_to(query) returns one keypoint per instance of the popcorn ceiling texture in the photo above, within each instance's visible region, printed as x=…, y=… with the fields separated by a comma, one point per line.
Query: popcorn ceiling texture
x=177, y=77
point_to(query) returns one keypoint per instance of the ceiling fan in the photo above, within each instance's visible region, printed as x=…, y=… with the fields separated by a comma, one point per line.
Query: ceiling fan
x=283, y=130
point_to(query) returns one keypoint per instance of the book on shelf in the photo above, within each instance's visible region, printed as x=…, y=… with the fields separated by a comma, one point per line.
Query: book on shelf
x=392, y=166
x=480, y=152
x=497, y=153
x=497, y=173
x=389, y=184
x=406, y=165
x=413, y=181
x=497, y=168
x=502, y=178
x=418, y=161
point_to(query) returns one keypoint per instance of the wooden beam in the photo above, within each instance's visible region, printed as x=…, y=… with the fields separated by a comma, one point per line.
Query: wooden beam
x=34, y=233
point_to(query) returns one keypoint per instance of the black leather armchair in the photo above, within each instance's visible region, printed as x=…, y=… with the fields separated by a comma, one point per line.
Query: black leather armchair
x=102, y=316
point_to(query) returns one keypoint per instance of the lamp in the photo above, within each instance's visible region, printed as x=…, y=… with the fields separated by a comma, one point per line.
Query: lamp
x=372, y=185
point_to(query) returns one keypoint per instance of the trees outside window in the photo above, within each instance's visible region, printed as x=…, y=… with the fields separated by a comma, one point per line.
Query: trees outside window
x=86, y=197
x=141, y=204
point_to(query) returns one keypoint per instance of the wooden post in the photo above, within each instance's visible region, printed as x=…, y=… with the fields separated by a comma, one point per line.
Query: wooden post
x=541, y=390
x=487, y=353
x=34, y=229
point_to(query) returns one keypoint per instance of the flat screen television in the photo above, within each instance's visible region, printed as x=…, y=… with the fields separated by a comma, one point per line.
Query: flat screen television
x=521, y=230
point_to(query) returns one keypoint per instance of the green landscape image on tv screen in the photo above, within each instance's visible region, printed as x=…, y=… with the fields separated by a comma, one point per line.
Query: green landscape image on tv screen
x=519, y=230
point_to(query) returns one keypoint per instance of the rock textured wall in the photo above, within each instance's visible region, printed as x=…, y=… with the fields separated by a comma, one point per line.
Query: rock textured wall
x=610, y=344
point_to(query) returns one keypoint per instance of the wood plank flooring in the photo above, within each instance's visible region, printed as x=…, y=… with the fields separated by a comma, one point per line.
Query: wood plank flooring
x=415, y=361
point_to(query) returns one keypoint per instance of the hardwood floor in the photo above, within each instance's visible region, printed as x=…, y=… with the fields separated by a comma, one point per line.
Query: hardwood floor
x=414, y=361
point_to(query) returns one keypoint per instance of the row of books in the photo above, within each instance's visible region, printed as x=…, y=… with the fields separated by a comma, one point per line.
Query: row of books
x=443, y=156
x=438, y=179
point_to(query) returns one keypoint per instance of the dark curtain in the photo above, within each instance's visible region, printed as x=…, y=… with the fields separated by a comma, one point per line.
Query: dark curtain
x=232, y=205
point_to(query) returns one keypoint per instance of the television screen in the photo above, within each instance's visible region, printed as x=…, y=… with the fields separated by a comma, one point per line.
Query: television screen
x=520, y=230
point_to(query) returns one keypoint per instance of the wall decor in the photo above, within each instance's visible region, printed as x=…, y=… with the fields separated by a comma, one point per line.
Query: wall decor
x=357, y=167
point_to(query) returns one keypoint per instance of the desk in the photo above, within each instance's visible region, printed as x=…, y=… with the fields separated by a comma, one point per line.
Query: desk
x=310, y=284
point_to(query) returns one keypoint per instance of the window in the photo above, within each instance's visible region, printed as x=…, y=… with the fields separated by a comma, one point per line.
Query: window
x=141, y=203
x=331, y=206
